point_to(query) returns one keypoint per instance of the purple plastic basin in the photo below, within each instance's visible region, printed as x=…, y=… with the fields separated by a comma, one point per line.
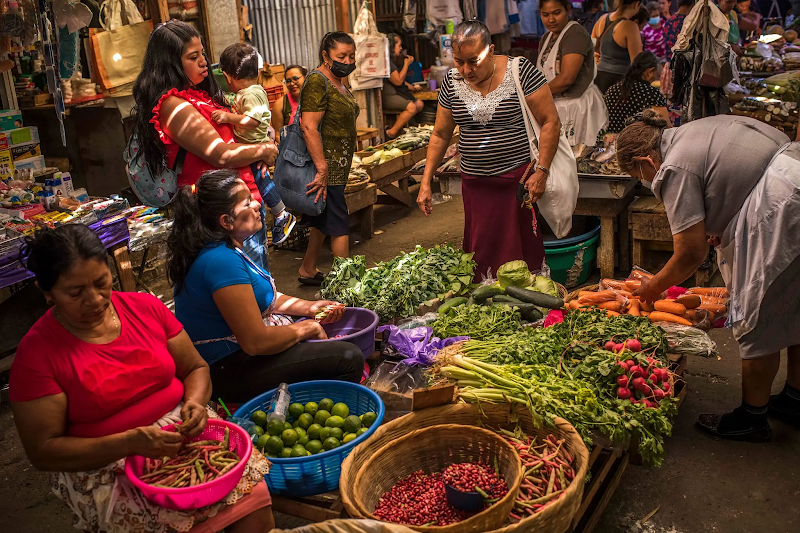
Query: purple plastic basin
x=357, y=326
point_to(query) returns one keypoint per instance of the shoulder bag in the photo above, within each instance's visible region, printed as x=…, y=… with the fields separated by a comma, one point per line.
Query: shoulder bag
x=294, y=168
x=561, y=192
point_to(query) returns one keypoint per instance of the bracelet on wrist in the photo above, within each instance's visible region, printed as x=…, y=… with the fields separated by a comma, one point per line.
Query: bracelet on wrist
x=543, y=169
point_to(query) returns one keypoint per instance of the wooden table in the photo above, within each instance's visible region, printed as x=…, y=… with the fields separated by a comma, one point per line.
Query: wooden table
x=366, y=136
x=609, y=210
x=651, y=232
x=427, y=95
x=360, y=207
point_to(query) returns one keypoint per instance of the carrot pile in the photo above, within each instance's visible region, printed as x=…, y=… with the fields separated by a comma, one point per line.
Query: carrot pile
x=690, y=308
x=548, y=471
x=197, y=462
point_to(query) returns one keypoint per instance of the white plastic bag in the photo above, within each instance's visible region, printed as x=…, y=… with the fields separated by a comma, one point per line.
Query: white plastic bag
x=116, y=13
x=372, y=49
x=439, y=11
x=561, y=193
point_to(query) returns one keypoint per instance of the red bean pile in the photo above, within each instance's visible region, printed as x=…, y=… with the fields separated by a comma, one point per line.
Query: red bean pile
x=419, y=500
x=466, y=476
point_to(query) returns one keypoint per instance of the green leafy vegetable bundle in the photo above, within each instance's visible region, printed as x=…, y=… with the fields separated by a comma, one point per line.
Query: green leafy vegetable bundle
x=396, y=288
x=564, y=370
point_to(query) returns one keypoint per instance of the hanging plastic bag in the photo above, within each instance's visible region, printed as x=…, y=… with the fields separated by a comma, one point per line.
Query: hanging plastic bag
x=372, y=48
x=116, y=13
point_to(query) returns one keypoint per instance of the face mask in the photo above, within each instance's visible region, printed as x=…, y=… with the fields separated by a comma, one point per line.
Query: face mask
x=655, y=20
x=342, y=70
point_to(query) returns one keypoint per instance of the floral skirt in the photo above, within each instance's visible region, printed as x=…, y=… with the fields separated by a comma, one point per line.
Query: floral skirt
x=103, y=500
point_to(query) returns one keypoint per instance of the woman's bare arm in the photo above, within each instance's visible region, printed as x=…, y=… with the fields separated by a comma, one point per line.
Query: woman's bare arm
x=570, y=67
x=309, y=123
x=437, y=146
x=190, y=130
x=277, y=118
x=631, y=38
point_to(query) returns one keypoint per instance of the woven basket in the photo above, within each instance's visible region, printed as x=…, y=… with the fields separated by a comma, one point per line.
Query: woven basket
x=555, y=518
x=562, y=291
x=433, y=449
x=355, y=185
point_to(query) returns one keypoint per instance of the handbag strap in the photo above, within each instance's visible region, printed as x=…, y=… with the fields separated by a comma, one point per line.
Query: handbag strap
x=527, y=115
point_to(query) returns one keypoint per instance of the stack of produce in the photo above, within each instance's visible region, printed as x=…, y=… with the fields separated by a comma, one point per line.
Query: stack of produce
x=420, y=499
x=760, y=64
x=382, y=156
x=411, y=139
x=313, y=428
x=565, y=370
x=398, y=287
x=197, y=462
x=548, y=471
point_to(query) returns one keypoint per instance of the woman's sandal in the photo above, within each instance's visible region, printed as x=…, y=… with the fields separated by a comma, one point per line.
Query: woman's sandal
x=316, y=281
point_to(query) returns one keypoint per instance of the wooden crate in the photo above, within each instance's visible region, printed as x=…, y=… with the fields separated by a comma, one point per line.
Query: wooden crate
x=607, y=468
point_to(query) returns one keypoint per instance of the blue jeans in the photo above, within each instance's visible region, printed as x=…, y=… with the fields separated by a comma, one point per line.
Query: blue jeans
x=255, y=246
x=267, y=189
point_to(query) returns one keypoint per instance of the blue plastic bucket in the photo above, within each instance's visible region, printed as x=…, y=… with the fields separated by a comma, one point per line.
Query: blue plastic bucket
x=572, y=260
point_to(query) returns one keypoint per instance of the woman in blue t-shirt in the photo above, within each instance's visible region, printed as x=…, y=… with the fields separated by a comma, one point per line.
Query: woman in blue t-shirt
x=229, y=306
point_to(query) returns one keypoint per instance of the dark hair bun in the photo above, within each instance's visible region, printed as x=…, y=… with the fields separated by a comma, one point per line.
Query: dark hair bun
x=649, y=118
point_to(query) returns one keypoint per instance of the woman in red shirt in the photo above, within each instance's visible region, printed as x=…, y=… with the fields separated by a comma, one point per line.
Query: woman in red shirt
x=93, y=381
x=175, y=96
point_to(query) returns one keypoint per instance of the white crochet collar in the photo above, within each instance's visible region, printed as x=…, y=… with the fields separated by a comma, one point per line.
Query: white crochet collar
x=481, y=108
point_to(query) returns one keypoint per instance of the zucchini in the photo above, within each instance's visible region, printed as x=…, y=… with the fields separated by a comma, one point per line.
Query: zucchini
x=506, y=299
x=483, y=292
x=529, y=312
x=533, y=297
x=452, y=303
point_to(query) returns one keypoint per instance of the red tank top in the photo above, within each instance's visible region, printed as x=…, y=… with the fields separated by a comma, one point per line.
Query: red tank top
x=194, y=166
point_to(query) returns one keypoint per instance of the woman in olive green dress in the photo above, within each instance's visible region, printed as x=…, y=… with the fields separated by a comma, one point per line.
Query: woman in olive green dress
x=325, y=101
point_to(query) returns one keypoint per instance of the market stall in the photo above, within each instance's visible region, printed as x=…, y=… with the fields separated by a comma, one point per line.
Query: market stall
x=570, y=384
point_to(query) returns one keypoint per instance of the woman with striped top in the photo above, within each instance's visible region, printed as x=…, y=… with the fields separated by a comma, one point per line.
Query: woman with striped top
x=480, y=96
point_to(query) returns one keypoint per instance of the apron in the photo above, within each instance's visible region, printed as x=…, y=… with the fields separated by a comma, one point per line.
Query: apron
x=582, y=118
x=761, y=241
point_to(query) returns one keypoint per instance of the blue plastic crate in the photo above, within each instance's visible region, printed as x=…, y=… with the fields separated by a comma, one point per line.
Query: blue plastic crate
x=315, y=474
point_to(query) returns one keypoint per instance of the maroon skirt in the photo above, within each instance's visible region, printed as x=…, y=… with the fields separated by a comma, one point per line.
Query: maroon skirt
x=496, y=228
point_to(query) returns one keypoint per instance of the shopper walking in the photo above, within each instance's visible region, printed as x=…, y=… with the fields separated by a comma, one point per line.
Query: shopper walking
x=752, y=220
x=328, y=120
x=480, y=97
x=618, y=41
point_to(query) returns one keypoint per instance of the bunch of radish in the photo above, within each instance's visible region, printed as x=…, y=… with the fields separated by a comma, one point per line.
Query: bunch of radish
x=642, y=380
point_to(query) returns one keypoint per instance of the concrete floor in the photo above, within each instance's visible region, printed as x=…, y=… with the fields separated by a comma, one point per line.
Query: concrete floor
x=705, y=485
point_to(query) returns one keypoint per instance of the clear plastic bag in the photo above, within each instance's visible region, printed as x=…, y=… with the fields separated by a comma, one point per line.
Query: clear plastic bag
x=689, y=340
x=395, y=383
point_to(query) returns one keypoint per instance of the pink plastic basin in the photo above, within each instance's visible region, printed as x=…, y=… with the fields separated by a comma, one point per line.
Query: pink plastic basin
x=206, y=493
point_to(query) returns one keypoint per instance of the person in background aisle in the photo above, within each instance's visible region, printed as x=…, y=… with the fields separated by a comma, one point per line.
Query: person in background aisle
x=745, y=11
x=175, y=98
x=397, y=91
x=752, y=221
x=566, y=58
x=618, y=41
x=640, y=18
x=251, y=121
x=329, y=112
x=592, y=11
x=672, y=28
x=94, y=381
x=736, y=25
x=480, y=96
x=653, y=32
x=664, y=10
x=284, y=108
x=239, y=322
x=635, y=93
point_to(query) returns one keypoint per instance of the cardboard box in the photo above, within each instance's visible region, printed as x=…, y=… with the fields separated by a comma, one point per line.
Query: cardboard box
x=271, y=75
x=26, y=151
x=11, y=138
x=6, y=165
x=33, y=163
x=10, y=119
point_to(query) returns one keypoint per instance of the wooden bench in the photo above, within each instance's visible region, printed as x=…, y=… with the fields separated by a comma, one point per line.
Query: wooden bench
x=366, y=137
x=360, y=207
x=609, y=210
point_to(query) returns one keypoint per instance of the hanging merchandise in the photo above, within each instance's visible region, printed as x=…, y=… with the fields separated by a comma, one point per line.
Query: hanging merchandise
x=70, y=17
x=372, y=52
x=496, y=16
x=440, y=11
x=49, y=41
x=410, y=15
x=118, y=54
x=703, y=67
x=117, y=13
x=470, y=9
x=71, y=14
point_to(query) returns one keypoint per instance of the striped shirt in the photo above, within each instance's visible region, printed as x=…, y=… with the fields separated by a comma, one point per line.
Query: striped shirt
x=493, y=136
